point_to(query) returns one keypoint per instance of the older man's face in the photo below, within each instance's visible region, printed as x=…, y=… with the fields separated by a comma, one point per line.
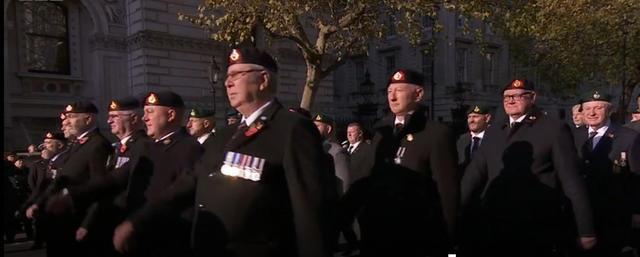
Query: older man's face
x=156, y=119
x=76, y=123
x=517, y=101
x=243, y=84
x=596, y=113
x=403, y=97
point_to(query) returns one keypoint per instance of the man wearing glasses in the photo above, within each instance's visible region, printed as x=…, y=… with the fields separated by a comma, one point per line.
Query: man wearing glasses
x=263, y=188
x=522, y=173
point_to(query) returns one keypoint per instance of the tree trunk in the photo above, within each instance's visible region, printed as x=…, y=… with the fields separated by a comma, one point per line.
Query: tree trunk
x=310, y=86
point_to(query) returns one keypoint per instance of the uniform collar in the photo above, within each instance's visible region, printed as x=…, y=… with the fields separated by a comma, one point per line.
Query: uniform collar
x=204, y=137
x=249, y=120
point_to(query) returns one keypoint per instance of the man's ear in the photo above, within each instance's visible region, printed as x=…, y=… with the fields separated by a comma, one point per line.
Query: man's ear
x=264, y=85
x=487, y=118
x=419, y=94
x=171, y=115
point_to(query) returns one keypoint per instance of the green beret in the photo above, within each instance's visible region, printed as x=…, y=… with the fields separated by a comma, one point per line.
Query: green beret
x=479, y=109
x=323, y=118
x=595, y=95
x=201, y=113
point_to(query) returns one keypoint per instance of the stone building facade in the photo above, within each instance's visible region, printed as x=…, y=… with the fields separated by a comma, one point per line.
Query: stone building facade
x=104, y=49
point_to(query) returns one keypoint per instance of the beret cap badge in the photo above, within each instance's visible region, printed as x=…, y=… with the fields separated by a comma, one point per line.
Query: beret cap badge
x=399, y=75
x=596, y=95
x=113, y=105
x=516, y=83
x=193, y=112
x=476, y=109
x=235, y=55
x=151, y=98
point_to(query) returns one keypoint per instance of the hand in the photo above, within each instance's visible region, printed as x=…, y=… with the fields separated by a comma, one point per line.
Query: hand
x=59, y=204
x=32, y=211
x=635, y=221
x=587, y=242
x=123, y=237
x=81, y=234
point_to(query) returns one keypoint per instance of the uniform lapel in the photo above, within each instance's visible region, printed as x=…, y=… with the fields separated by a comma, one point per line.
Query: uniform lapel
x=606, y=141
x=257, y=127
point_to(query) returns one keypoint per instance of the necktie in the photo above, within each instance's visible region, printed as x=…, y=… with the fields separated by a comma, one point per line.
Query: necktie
x=592, y=136
x=240, y=130
x=474, y=145
x=350, y=149
x=399, y=127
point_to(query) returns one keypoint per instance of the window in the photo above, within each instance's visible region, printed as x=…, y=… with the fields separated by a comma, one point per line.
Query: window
x=427, y=22
x=46, y=37
x=461, y=21
x=389, y=64
x=359, y=71
x=462, y=65
x=491, y=69
x=391, y=26
x=427, y=67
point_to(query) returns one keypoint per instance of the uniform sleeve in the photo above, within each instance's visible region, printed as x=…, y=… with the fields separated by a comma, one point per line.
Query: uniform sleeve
x=341, y=162
x=565, y=161
x=309, y=187
x=445, y=172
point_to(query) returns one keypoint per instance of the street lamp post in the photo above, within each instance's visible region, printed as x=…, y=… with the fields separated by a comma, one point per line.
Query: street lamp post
x=214, y=70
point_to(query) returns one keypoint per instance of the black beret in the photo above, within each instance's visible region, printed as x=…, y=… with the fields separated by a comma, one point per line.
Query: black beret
x=407, y=76
x=81, y=107
x=201, y=113
x=123, y=104
x=233, y=114
x=12, y=153
x=253, y=56
x=519, y=84
x=595, y=95
x=164, y=98
x=56, y=136
x=479, y=109
x=323, y=118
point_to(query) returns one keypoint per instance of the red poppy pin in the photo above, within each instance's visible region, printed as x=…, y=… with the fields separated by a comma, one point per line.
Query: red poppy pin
x=82, y=140
x=254, y=128
x=123, y=148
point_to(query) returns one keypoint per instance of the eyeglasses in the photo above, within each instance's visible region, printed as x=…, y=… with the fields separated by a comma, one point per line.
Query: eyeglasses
x=517, y=97
x=236, y=75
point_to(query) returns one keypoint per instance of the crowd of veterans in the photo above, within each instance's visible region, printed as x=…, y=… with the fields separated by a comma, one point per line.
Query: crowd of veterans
x=274, y=181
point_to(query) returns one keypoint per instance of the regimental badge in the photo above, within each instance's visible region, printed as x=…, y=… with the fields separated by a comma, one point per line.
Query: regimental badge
x=399, y=155
x=234, y=56
x=318, y=117
x=68, y=108
x=243, y=166
x=517, y=83
x=263, y=118
x=596, y=95
x=166, y=141
x=409, y=137
x=193, y=113
x=152, y=98
x=476, y=109
x=113, y=105
x=398, y=76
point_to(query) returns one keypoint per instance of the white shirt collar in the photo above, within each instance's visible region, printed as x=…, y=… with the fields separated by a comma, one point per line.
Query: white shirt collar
x=511, y=120
x=125, y=139
x=480, y=135
x=85, y=133
x=355, y=145
x=602, y=129
x=204, y=137
x=249, y=120
x=165, y=136
x=402, y=121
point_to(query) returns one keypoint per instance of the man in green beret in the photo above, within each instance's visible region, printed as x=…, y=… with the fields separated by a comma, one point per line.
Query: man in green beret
x=610, y=154
x=478, y=119
x=201, y=125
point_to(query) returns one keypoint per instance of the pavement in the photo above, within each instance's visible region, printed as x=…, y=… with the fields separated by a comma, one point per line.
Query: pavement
x=20, y=248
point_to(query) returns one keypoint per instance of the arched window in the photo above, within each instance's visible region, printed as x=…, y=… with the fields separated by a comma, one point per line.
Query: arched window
x=46, y=37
